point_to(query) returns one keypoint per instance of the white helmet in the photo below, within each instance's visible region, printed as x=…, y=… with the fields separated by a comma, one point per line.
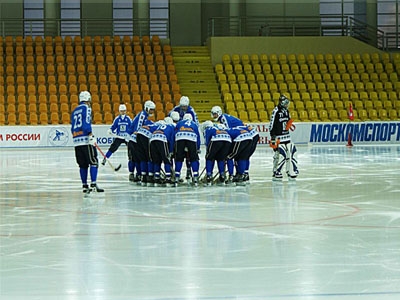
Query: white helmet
x=175, y=116
x=161, y=122
x=168, y=120
x=216, y=110
x=207, y=124
x=85, y=96
x=184, y=101
x=122, y=107
x=221, y=126
x=188, y=117
x=148, y=105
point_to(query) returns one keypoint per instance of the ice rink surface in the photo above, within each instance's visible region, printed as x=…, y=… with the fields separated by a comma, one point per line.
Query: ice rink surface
x=332, y=234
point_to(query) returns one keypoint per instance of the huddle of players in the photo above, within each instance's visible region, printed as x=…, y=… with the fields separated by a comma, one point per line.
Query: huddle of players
x=169, y=142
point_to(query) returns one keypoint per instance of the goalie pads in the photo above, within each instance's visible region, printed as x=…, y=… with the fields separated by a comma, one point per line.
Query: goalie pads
x=285, y=155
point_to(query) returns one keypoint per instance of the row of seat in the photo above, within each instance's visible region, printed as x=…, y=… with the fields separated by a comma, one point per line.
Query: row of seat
x=311, y=58
x=145, y=40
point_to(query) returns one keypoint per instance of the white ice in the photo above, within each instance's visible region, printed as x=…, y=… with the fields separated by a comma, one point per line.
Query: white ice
x=332, y=234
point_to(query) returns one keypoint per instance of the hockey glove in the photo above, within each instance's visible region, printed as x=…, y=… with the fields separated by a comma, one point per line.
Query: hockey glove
x=109, y=131
x=273, y=143
x=290, y=126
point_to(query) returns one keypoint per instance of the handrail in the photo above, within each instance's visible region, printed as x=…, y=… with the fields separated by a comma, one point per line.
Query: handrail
x=325, y=25
x=83, y=27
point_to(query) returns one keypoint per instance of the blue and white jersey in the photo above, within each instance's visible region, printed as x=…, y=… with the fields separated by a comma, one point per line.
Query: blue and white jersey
x=190, y=110
x=121, y=125
x=252, y=131
x=187, y=130
x=81, y=124
x=164, y=133
x=239, y=133
x=230, y=121
x=147, y=129
x=215, y=134
x=140, y=120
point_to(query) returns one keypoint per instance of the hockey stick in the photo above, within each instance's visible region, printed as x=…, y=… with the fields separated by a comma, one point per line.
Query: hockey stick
x=109, y=162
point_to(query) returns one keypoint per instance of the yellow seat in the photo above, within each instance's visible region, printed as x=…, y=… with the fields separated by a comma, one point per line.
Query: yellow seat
x=303, y=116
x=253, y=116
x=313, y=115
x=333, y=115
x=243, y=115
x=383, y=115
x=323, y=115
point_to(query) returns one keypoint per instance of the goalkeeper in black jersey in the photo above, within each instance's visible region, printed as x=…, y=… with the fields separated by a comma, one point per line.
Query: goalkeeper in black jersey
x=284, y=149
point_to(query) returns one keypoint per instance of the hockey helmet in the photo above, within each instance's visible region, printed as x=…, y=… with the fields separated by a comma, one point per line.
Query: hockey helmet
x=188, y=117
x=85, y=96
x=168, y=120
x=184, y=101
x=175, y=116
x=148, y=106
x=216, y=112
x=284, y=101
x=207, y=124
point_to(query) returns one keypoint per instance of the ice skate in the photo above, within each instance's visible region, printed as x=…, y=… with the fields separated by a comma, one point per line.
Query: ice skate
x=240, y=180
x=95, y=188
x=85, y=189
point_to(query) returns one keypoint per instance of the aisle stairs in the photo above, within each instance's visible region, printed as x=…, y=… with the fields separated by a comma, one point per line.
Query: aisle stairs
x=197, y=79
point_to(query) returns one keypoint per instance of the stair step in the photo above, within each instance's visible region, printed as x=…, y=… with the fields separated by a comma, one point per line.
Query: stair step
x=206, y=60
x=190, y=51
x=197, y=78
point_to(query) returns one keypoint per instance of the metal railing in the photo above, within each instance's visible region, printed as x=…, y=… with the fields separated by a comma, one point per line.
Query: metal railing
x=328, y=25
x=83, y=27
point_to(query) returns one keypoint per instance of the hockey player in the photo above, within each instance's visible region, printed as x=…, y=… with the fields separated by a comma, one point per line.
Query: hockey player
x=133, y=150
x=187, y=139
x=239, y=153
x=228, y=120
x=185, y=108
x=84, y=142
x=255, y=137
x=119, y=129
x=284, y=149
x=218, y=143
x=162, y=148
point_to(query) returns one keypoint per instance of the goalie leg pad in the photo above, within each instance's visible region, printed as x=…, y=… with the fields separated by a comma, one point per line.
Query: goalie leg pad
x=291, y=165
x=280, y=160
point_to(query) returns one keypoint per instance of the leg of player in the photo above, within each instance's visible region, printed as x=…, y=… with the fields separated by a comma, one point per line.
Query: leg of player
x=291, y=166
x=282, y=150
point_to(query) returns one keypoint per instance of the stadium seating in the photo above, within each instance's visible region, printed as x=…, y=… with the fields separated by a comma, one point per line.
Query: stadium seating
x=53, y=70
x=321, y=87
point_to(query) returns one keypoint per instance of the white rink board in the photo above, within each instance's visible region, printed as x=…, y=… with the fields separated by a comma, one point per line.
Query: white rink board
x=321, y=133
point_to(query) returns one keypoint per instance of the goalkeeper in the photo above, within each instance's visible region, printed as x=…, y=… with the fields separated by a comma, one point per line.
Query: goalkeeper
x=284, y=149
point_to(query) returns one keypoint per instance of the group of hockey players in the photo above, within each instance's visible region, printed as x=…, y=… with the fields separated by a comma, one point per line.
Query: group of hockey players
x=158, y=150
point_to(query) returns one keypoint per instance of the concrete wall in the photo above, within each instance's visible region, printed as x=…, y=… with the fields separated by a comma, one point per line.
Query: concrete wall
x=257, y=45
